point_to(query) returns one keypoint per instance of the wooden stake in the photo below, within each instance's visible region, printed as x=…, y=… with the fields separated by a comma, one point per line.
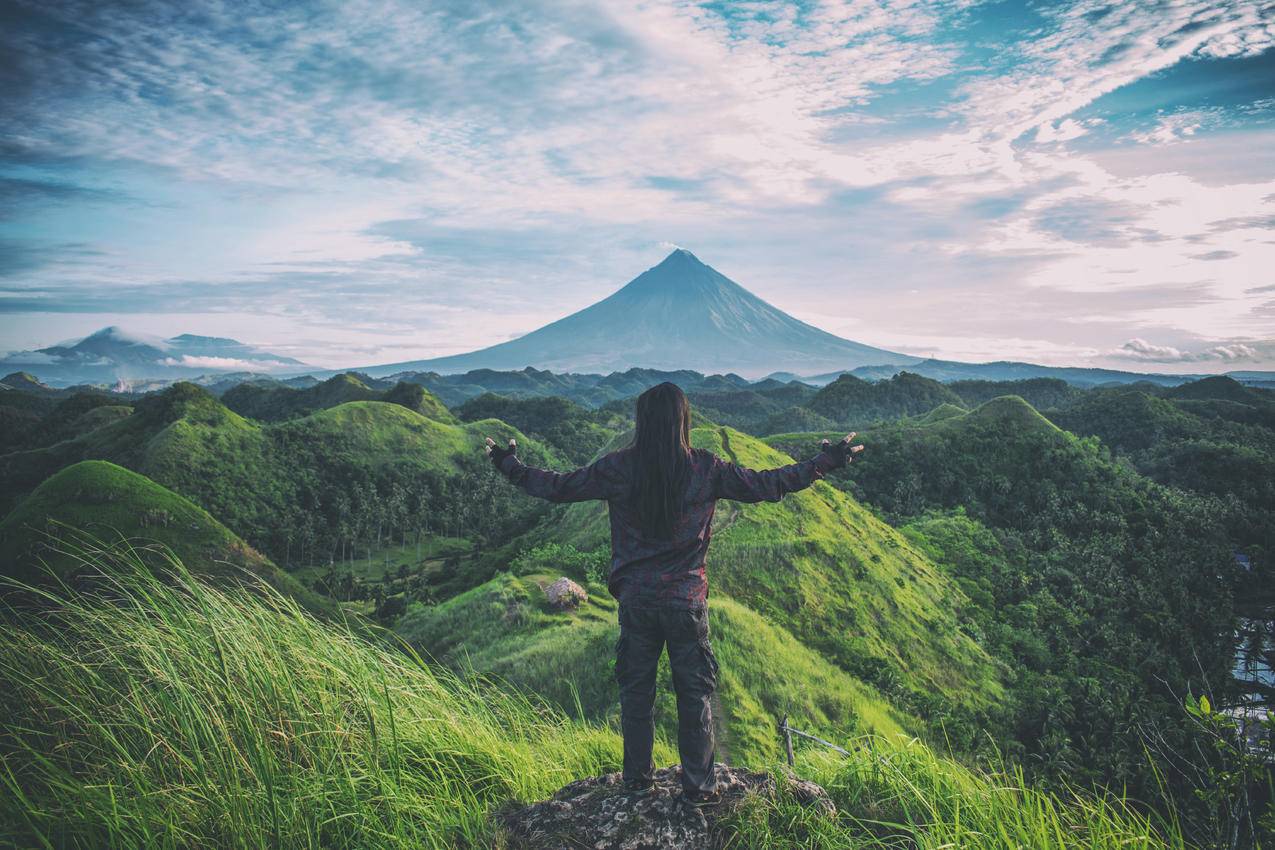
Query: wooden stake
x=783, y=727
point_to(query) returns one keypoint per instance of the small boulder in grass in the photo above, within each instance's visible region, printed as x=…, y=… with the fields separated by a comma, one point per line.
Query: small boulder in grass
x=565, y=595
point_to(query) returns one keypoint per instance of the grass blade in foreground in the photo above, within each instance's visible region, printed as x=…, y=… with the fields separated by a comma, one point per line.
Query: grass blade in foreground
x=153, y=714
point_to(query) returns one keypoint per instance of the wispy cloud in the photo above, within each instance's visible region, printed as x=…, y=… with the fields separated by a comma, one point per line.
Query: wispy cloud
x=1176, y=127
x=224, y=363
x=1240, y=352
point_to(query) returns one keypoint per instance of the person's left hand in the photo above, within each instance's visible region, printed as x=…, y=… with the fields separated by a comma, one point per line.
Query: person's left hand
x=842, y=451
x=496, y=454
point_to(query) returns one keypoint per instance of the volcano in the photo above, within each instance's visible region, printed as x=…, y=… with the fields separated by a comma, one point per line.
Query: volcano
x=681, y=314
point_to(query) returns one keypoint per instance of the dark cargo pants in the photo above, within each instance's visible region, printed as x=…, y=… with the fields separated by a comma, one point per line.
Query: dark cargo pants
x=643, y=635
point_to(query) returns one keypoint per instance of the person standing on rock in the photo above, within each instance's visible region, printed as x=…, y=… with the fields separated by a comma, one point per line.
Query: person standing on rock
x=661, y=494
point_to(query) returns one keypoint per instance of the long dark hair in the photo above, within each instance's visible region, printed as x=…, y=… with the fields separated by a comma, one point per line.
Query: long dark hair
x=662, y=458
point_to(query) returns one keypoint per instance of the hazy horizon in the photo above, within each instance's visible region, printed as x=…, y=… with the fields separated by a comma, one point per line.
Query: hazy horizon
x=1066, y=184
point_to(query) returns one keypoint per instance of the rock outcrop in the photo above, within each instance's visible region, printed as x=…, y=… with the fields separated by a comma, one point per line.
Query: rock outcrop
x=565, y=595
x=599, y=813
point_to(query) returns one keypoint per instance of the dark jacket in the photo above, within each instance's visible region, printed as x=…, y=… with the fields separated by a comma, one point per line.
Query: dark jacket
x=650, y=571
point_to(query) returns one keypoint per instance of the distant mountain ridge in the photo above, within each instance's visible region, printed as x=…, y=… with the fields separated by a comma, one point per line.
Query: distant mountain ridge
x=679, y=321
x=1012, y=370
x=113, y=354
x=680, y=314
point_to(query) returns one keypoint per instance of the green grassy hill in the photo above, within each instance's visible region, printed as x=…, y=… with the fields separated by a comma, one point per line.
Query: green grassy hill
x=1040, y=393
x=821, y=566
x=1212, y=436
x=91, y=420
x=796, y=419
x=938, y=414
x=276, y=402
x=770, y=407
x=851, y=401
x=949, y=458
x=577, y=432
x=201, y=716
x=26, y=382
x=32, y=420
x=113, y=505
x=358, y=471
x=1065, y=553
x=1220, y=388
x=505, y=629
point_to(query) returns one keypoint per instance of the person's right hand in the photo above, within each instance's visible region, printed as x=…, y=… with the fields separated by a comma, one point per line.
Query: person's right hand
x=842, y=451
x=495, y=453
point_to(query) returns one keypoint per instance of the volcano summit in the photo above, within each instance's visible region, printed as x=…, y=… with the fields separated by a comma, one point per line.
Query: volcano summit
x=681, y=314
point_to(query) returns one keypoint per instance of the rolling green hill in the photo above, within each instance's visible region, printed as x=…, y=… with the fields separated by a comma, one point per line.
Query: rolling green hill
x=847, y=402
x=1107, y=594
x=749, y=408
x=1220, y=388
x=26, y=382
x=308, y=488
x=32, y=419
x=277, y=402
x=795, y=419
x=771, y=406
x=1040, y=393
x=841, y=581
x=853, y=402
x=109, y=501
x=577, y=432
x=112, y=504
x=505, y=629
x=938, y=414
x=1213, y=436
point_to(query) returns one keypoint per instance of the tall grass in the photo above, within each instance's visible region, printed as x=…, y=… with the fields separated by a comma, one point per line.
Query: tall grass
x=136, y=712
x=176, y=714
x=901, y=794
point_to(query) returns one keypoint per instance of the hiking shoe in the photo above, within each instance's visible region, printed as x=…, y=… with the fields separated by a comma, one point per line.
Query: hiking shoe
x=702, y=799
x=637, y=786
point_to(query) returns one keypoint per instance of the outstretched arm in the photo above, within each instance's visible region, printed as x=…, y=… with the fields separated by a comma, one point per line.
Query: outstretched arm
x=741, y=484
x=588, y=482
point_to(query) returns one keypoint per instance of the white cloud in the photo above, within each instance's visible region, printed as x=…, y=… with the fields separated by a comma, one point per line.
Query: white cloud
x=1063, y=131
x=1143, y=350
x=30, y=358
x=1176, y=127
x=1140, y=349
x=228, y=364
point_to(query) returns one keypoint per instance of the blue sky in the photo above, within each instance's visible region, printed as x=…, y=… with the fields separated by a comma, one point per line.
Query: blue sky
x=372, y=181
